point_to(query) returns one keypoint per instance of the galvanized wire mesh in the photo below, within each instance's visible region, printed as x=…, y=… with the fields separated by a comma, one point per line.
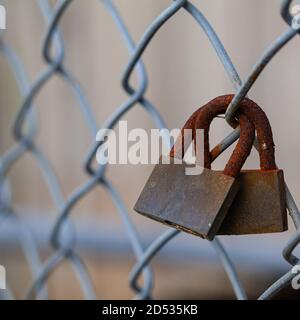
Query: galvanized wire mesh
x=25, y=133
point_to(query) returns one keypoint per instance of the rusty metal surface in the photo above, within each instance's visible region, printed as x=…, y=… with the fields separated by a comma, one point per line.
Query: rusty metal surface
x=260, y=205
x=201, y=119
x=194, y=204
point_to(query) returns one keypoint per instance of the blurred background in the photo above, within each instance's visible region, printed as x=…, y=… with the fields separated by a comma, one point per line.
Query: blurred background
x=184, y=73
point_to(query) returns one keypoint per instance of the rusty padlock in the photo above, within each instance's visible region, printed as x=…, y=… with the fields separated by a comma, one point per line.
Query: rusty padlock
x=195, y=204
x=260, y=205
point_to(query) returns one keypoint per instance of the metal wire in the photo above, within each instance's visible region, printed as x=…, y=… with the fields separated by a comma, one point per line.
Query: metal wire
x=25, y=130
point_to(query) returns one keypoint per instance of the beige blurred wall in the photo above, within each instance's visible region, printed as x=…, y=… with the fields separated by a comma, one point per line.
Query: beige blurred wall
x=184, y=73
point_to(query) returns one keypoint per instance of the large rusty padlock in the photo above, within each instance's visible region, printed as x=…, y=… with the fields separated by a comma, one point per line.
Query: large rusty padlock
x=260, y=205
x=195, y=204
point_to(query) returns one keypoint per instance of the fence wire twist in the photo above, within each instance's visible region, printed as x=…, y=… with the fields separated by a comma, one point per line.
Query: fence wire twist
x=25, y=132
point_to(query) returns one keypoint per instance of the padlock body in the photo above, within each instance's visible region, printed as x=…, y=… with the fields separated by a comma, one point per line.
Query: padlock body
x=260, y=204
x=196, y=204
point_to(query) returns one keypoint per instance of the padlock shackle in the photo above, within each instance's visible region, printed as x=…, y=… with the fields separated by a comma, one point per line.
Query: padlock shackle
x=258, y=118
x=202, y=118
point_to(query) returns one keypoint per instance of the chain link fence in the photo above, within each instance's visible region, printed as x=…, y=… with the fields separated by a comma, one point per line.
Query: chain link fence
x=25, y=132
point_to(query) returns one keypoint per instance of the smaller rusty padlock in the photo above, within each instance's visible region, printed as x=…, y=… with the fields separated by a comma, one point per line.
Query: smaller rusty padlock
x=195, y=204
x=260, y=205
